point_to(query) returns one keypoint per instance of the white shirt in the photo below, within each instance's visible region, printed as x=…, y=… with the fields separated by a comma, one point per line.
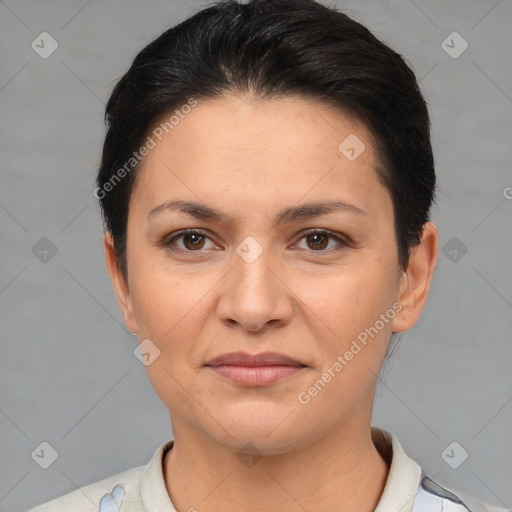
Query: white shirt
x=142, y=489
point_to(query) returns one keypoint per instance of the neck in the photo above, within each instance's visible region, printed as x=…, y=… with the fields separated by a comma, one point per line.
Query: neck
x=342, y=472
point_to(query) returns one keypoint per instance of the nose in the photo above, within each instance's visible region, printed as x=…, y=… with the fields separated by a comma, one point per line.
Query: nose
x=254, y=293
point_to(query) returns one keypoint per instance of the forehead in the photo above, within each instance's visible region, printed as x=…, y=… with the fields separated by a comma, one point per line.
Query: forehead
x=262, y=151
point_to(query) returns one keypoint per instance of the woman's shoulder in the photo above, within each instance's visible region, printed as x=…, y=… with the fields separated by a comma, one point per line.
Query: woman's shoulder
x=107, y=494
x=432, y=497
x=409, y=488
x=122, y=490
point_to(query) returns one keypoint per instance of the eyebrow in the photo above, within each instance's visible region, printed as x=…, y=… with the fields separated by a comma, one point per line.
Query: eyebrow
x=286, y=215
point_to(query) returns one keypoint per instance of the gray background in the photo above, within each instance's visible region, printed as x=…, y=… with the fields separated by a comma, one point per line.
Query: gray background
x=68, y=374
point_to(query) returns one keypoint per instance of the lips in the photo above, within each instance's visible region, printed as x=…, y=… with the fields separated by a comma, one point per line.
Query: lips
x=255, y=360
x=263, y=369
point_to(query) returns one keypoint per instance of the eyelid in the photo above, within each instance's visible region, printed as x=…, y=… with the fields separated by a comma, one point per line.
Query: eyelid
x=174, y=236
x=342, y=240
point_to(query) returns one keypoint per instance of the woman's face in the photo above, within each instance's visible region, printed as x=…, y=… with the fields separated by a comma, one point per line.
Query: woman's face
x=264, y=275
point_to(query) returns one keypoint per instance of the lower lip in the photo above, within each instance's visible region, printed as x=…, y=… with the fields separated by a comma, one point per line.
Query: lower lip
x=256, y=375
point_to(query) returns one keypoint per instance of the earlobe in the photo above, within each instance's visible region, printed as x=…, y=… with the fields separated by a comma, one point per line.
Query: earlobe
x=415, y=281
x=121, y=287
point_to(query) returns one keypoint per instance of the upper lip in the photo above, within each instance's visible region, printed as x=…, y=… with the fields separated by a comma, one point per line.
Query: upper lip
x=261, y=359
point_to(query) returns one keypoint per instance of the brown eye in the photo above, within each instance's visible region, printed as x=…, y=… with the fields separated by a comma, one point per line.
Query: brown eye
x=318, y=241
x=191, y=241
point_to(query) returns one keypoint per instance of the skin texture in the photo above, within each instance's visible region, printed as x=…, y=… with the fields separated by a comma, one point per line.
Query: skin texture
x=249, y=159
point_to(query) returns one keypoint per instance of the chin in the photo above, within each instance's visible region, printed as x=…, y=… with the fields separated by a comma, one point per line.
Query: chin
x=253, y=436
x=257, y=443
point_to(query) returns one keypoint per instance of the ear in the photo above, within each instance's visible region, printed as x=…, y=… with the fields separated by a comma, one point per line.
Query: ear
x=415, y=281
x=119, y=283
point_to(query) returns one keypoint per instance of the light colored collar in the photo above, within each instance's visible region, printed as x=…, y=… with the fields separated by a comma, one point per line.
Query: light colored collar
x=152, y=484
x=404, y=474
x=398, y=496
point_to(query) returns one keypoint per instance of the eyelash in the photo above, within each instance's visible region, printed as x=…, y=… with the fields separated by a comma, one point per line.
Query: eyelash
x=167, y=242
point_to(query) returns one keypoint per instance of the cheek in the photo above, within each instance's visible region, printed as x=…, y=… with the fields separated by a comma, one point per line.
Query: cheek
x=170, y=311
x=166, y=303
x=350, y=300
x=162, y=295
x=350, y=303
